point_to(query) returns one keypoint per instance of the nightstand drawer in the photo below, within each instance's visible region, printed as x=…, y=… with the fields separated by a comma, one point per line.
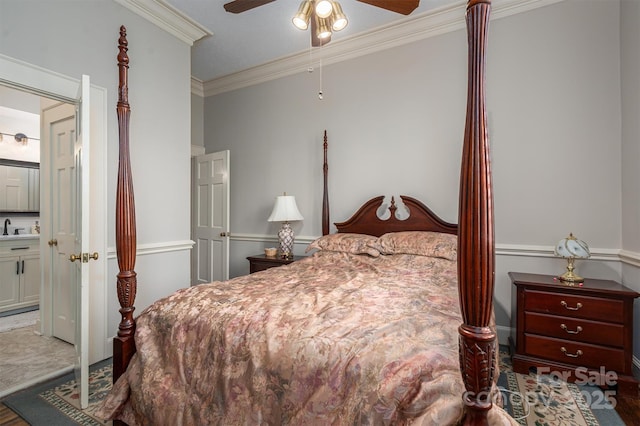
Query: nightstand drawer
x=580, y=330
x=578, y=354
x=575, y=306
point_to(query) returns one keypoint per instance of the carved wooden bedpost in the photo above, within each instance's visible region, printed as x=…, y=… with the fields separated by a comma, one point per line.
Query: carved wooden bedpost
x=325, y=190
x=476, y=238
x=124, y=344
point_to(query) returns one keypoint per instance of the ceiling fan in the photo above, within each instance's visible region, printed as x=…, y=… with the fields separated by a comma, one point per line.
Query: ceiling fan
x=324, y=16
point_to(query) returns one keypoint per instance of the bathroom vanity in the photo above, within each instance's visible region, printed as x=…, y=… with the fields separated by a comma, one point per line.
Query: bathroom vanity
x=20, y=271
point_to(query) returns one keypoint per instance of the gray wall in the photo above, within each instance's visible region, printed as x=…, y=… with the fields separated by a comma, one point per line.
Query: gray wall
x=395, y=123
x=74, y=37
x=630, y=72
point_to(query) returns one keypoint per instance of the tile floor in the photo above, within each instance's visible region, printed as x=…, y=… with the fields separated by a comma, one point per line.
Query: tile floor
x=27, y=358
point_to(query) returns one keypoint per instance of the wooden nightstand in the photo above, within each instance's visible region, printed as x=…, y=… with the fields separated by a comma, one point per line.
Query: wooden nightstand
x=584, y=331
x=261, y=262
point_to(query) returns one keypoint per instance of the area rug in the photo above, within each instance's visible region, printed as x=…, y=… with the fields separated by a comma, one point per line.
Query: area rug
x=56, y=402
x=25, y=319
x=531, y=400
x=66, y=397
x=540, y=400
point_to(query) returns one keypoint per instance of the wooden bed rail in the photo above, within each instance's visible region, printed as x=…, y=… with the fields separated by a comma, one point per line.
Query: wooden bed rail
x=477, y=342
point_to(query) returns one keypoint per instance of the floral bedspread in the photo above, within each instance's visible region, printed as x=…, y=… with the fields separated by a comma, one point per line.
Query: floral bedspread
x=333, y=339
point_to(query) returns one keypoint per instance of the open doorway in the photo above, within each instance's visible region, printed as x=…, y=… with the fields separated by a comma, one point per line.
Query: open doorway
x=88, y=194
x=28, y=355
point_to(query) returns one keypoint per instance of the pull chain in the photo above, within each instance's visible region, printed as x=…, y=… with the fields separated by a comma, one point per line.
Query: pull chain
x=320, y=95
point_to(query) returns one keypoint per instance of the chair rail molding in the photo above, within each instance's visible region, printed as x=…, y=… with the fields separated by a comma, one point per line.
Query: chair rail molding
x=154, y=248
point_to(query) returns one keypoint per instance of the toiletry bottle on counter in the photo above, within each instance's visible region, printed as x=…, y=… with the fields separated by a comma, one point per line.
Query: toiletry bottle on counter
x=35, y=229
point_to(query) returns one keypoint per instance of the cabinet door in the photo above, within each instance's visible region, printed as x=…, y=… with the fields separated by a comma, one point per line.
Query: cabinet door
x=30, y=278
x=10, y=283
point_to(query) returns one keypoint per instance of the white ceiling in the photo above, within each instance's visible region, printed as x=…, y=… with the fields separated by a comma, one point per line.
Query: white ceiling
x=261, y=35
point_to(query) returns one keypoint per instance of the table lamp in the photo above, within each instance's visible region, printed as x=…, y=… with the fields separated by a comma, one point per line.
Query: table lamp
x=285, y=210
x=571, y=248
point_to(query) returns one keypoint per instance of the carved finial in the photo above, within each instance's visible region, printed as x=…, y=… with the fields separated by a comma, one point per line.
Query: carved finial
x=123, y=66
x=393, y=207
x=123, y=58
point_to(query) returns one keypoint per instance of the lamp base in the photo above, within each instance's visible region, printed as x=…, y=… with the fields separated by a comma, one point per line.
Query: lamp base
x=570, y=278
x=285, y=237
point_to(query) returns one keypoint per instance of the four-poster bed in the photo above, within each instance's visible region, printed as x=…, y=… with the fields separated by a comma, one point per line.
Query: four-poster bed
x=474, y=250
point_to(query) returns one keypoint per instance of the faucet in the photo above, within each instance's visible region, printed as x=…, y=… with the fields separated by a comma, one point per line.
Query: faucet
x=6, y=222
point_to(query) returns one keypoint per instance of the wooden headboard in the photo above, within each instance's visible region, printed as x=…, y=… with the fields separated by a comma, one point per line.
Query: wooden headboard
x=421, y=218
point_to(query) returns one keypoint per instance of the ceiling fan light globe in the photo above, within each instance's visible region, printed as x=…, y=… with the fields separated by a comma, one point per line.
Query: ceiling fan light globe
x=301, y=18
x=338, y=17
x=339, y=24
x=324, y=8
x=323, y=28
x=300, y=23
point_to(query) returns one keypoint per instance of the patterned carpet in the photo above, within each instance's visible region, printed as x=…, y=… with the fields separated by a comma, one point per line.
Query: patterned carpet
x=535, y=400
x=531, y=400
x=65, y=397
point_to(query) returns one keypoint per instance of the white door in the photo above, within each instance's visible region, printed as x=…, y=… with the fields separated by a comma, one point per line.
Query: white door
x=210, y=218
x=67, y=132
x=81, y=213
x=60, y=125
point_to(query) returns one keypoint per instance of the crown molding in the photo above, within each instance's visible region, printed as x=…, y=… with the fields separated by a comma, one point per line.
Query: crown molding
x=197, y=87
x=168, y=18
x=429, y=24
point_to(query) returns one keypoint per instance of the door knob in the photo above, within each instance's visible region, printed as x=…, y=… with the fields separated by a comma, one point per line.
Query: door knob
x=84, y=257
x=53, y=242
x=225, y=234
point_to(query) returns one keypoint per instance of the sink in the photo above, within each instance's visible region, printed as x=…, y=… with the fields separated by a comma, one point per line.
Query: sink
x=18, y=237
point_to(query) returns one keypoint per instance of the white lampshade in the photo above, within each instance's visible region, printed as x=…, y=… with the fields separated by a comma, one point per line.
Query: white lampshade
x=285, y=210
x=571, y=248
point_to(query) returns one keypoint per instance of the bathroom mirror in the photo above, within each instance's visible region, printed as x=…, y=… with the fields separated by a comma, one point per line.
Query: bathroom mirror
x=19, y=187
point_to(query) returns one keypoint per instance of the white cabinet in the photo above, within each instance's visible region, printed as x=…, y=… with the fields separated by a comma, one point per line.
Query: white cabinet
x=19, y=273
x=10, y=283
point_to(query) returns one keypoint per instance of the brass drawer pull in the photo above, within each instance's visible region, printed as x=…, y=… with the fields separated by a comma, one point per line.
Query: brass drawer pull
x=576, y=355
x=578, y=306
x=564, y=327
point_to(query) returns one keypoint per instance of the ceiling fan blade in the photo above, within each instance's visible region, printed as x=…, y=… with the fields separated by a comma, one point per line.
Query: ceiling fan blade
x=239, y=6
x=404, y=7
